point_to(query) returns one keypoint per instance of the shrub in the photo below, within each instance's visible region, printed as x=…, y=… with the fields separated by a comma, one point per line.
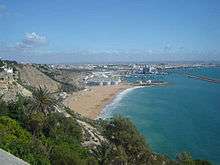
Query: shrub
x=17, y=110
x=3, y=108
x=60, y=127
x=35, y=122
x=65, y=154
x=110, y=154
x=121, y=132
x=16, y=140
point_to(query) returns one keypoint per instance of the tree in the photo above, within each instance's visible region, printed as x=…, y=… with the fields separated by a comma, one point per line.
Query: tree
x=18, y=109
x=102, y=153
x=118, y=156
x=3, y=107
x=65, y=154
x=42, y=101
x=35, y=123
x=19, y=142
x=1, y=63
x=185, y=158
x=107, y=153
x=121, y=132
x=60, y=127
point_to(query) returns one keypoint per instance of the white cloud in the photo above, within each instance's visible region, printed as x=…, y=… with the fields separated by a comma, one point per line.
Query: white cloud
x=33, y=39
x=31, y=42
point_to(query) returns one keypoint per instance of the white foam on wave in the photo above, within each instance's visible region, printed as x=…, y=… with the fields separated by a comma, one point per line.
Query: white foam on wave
x=106, y=112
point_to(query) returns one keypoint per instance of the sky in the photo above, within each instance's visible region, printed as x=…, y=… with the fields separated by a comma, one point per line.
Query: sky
x=58, y=31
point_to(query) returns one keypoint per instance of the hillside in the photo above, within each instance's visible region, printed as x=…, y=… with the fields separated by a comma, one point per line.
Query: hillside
x=70, y=79
x=9, y=92
x=9, y=86
x=31, y=76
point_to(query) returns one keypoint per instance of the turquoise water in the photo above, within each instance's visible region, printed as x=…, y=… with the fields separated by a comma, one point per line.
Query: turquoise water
x=184, y=116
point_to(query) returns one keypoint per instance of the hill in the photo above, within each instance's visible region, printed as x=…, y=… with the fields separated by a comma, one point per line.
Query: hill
x=31, y=76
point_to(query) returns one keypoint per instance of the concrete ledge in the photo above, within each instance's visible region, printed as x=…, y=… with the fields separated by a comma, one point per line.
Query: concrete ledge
x=8, y=159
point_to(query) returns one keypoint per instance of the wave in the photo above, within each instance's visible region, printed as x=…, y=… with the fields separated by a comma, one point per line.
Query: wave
x=106, y=111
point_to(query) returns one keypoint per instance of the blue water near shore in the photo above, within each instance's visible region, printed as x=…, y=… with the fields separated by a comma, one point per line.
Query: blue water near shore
x=184, y=116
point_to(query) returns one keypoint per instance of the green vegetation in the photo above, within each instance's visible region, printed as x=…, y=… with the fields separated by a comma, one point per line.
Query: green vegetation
x=1, y=63
x=66, y=87
x=7, y=63
x=185, y=158
x=122, y=133
x=19, y=142
x=33, y=130
x=42, y=101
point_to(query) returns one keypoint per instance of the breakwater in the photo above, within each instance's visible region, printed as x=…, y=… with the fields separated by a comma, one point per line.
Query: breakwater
x=203, y=78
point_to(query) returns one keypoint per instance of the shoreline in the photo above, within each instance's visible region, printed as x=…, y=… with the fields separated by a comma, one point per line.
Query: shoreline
x=92, y=101
x=104, y=112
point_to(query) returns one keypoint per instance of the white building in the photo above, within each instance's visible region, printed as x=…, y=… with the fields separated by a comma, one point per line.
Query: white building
x=8, y=70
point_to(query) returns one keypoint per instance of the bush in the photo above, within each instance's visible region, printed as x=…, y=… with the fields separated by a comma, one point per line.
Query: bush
x=110, y=154
x=17, y=110
x=35, y=123
x=3, y=108
x=185, y=158
x=66, y=87
x=60, y=127
x=18, y=142
x=64, y=154
x=121, y=132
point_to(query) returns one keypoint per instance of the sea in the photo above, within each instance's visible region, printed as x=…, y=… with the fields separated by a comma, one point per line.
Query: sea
x=181, y=116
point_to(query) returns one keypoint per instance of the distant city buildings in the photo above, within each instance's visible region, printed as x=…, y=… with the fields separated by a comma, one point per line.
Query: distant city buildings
x=110, y=74
x=102, y=79
x=145, y=69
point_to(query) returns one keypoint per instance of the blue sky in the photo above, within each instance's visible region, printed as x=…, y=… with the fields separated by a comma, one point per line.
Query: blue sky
x=109, y=30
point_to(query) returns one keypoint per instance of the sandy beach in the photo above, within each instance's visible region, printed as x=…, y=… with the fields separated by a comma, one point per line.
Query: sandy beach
x=90, y=102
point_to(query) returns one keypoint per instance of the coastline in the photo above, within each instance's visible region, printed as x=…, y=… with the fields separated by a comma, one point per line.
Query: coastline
x=104, y=112
x=92, y=101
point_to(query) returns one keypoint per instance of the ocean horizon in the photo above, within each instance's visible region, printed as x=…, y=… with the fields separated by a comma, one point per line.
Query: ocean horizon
x=182, y=116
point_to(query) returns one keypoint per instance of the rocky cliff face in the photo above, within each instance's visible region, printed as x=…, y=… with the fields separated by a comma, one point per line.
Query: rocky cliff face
x=9, y=91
